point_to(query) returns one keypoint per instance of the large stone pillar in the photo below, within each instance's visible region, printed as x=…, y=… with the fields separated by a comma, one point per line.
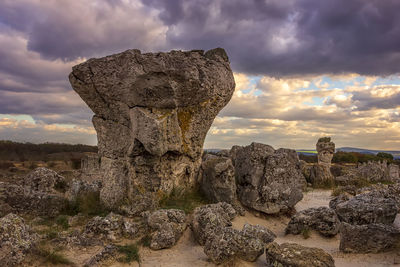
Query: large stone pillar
x=321, y=173
x=152, y=114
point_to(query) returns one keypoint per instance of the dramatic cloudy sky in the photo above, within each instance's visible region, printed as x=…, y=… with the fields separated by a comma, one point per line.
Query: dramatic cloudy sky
x=303, y=68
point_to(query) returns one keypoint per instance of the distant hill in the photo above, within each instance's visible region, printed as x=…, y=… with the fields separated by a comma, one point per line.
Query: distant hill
x=396, y=154
x=310, y=152
x=14, y=151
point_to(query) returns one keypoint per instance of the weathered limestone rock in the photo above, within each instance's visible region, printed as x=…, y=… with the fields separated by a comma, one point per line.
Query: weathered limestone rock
x=368, y=238
x=152, y=113
x=211, y=228
x=291, y=254
x=209, y=219
x=104, y=254
x=90, y=163
x=229, y=242
x=81, y=188
x=321, y=172
x=17, y=199
x=258, y=232
x=322, y=219
x=44, y=180
x=268, y=180
x=168, y=227
x=371, y=171
x=112, y=227
x=366, y=208
x=16, y=240
x=217, y=180
x=325, y=149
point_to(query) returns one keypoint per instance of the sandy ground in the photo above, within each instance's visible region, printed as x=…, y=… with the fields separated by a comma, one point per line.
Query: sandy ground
x=188, y=253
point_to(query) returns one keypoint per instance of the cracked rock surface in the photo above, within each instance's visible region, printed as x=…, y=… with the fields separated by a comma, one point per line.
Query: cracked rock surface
x=152, y=114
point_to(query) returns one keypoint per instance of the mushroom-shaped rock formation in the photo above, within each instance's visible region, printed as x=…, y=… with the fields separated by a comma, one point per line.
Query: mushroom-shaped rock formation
x=152, y=114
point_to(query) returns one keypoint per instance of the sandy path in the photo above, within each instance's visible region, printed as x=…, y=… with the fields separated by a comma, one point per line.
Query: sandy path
x=188, y=253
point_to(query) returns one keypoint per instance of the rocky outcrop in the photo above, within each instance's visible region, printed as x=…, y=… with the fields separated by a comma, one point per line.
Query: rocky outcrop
x=211, y=228
x=323, y=220
x=258, y=232
x=291, y=254
x=152, y=114
x=18, y=199
x=217, y=180
x=16, y=240
x=268, y=180
x=371, y=171
x=167, y=226
x=320, y=174
x=228, y=243
x=112, y=227
x=369, y=238
x=81, y=188
x=209, y=219
x=45, y=180
x=366, y=208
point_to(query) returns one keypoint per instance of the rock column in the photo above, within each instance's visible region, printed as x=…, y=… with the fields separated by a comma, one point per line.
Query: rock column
x=152, y=114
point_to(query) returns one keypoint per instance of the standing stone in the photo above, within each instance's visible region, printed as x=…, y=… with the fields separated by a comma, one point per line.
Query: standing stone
x=152, y=114
x=321, y=172
x=268, y=180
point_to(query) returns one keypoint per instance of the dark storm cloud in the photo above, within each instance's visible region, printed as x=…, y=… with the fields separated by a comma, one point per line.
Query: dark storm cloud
x=70, y=29
x=290, y=37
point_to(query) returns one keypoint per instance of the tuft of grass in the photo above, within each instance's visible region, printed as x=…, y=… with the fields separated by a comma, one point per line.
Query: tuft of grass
x=53, y=257
x=145, y=240
x=131, y=253
x=337, y=191
x=306, y=233
x=325, y=184
x=88, y=204
x=62, y=220
x=184, y=200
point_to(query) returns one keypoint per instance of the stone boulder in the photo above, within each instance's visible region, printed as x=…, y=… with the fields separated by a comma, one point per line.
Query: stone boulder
x=209, y=219
x=168, y=227
x=323, y=220
x=45, y=180
x=228, y=243
x=16, y=240
x=17, y=199
x=268, y=180
x=152, y=114
x=81, y=188
x=217, y=180
x=291, y=254
x=368, y=238
x=366, y=208
x=259, y=232
x=112, y=227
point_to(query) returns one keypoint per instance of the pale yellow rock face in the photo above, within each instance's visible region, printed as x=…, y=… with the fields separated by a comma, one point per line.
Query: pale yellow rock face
x=152, y=114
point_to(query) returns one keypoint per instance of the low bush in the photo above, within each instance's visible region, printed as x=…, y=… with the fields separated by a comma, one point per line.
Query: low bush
x=131, y=253
x=184, y=200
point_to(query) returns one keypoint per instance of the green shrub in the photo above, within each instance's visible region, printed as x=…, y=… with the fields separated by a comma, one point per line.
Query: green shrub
x=145, y=241
x=306, y=233
x=131, y=253
x=88, y=204
x=62, y=220
x=184, y=200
